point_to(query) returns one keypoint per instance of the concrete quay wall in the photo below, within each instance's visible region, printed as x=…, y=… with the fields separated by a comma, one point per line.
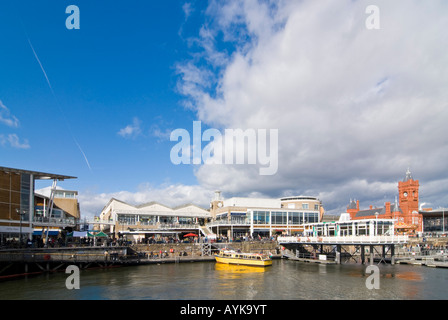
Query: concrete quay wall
x=195, y=249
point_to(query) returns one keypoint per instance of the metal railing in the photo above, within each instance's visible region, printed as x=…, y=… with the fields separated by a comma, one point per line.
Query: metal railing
x=345, y=239
x=53, y=222
x=228, y=222
x=60, y=257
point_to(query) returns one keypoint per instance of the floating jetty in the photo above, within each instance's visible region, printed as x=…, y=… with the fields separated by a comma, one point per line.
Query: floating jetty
x=21, y=262
x=434, y=261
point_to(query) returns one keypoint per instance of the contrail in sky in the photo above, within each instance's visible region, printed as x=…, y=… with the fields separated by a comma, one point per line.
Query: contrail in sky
x=87, y=161
x=54, y=95
x=42, y=67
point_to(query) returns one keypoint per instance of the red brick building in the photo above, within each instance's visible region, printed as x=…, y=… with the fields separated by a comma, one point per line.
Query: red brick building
x=406, y=211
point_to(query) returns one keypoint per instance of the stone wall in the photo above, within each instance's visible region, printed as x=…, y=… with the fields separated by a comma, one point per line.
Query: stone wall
x=196, y=248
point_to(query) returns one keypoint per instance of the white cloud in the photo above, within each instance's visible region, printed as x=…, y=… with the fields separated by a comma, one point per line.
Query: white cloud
x=7, y=118
x=188, y=9
x=354, y=107
x=13, y=141
x=132, y=130
x=91, y=203
x=350, y=104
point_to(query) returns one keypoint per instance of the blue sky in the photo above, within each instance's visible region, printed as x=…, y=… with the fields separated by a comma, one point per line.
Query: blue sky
x=354, y=107
x=119, y=66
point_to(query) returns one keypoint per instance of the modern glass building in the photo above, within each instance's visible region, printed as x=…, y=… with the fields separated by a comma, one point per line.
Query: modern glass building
x=242, y=217
x=435, y=221
x=19, y=210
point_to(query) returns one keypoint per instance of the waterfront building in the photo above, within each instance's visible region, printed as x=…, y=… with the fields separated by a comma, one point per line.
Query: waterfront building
x=405, y=211
x=150, y=220
x=435, y=221
x=232, y=218
x=241, y=217
x=65, y=212
x=21, y=209
x=351, y=228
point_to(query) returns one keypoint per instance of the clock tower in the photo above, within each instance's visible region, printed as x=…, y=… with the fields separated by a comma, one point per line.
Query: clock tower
x=216, y=203
x=408, y=194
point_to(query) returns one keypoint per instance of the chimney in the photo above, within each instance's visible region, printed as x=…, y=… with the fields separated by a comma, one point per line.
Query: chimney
x=371, y=207
x=388, y=213
x=357, y=205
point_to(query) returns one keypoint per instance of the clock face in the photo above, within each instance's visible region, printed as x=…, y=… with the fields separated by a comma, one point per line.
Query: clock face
x=405, y=194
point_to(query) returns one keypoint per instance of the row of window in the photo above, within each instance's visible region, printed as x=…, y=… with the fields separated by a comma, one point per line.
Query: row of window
x=133, y=219
x=284, y=217
x=304, y=206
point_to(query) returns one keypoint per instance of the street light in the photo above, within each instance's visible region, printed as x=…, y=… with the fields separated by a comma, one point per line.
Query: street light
x=376, y=227
x=21, y=214
x=443, y=220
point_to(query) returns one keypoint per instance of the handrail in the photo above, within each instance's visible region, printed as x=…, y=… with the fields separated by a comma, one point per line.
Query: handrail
x=344, y=239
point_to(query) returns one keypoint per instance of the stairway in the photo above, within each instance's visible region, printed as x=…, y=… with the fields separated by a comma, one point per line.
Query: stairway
x=206, y=230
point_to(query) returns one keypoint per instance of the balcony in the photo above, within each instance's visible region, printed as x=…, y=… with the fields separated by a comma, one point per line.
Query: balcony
x=54, y=222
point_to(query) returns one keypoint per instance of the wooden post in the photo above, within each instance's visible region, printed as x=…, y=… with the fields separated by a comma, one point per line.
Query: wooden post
x=392, y=254
x=338, y=254
x=362, y=254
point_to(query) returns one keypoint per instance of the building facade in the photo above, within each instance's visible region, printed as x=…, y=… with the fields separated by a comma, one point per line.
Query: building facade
x=405, y=211
x=253, y=217
x=150, y=220
x=435, y=221
x=232, y=218
x=20, y=212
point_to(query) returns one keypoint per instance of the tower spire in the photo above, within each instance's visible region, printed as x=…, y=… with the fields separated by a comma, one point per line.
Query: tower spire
x=408, y=175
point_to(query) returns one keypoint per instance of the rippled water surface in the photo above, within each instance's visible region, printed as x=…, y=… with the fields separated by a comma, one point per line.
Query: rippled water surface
x=284, y=280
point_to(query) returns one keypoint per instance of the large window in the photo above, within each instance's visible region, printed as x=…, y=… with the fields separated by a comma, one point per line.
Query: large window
x=148, y=220
x=295, y=217
x=261, y=217
x=279, y=217
x=127, y=219
x=239, y=217
x=187, y=220
x=25, y=190
x=311, y=217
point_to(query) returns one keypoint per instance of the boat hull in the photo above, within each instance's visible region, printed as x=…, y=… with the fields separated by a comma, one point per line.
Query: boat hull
x=246, y=262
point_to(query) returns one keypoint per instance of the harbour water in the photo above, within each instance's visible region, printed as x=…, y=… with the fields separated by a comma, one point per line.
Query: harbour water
x=284, y=280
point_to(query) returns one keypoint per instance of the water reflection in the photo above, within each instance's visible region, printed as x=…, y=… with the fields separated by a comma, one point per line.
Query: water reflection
x=244, y=282
x=285, y=280
x=235, y=271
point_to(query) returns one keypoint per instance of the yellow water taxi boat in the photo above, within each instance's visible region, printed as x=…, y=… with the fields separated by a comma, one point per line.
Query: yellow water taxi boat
x=249, y=259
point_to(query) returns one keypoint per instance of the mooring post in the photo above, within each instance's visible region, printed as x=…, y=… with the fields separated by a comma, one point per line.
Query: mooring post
x=392, y=254
x=338, y=254
x=362, y=254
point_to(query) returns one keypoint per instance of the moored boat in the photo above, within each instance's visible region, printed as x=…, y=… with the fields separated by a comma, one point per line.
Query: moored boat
x=249, y=259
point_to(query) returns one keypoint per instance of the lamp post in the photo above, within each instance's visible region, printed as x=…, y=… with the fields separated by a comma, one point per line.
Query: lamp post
x=21, y=214
x=376, y=227
x=443, y=220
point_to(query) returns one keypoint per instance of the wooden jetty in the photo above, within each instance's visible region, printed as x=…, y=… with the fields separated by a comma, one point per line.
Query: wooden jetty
x=20, y=262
